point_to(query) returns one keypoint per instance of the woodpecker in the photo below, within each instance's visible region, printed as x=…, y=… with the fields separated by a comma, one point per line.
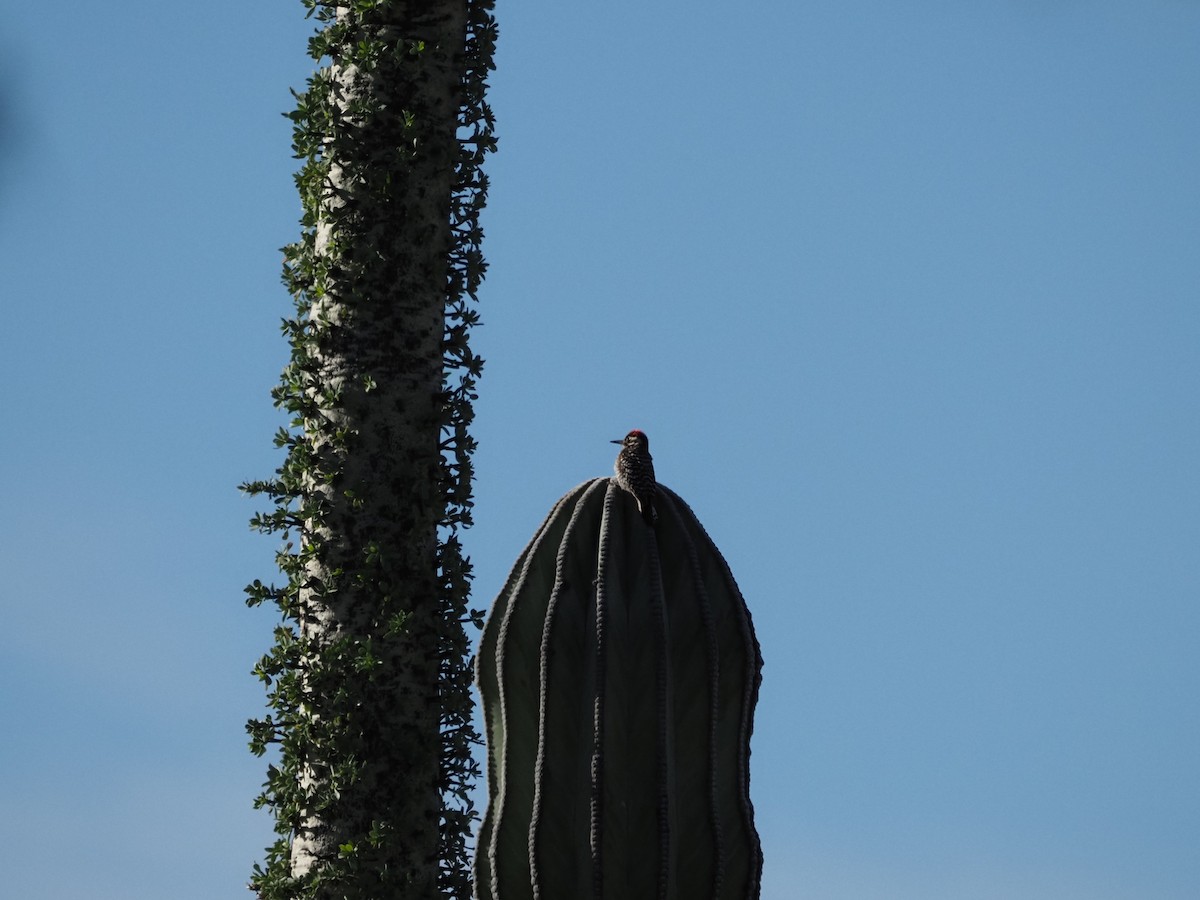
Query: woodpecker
x=635, y=472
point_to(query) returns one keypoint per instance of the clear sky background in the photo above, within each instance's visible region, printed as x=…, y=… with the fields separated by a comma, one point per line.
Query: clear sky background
x=906, y=295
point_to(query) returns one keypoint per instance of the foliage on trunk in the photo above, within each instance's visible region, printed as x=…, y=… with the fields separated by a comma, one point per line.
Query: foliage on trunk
x=619, y=672
x=368, y=679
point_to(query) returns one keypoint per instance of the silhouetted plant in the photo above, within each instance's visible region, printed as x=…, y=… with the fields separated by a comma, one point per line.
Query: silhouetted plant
x=619, y=672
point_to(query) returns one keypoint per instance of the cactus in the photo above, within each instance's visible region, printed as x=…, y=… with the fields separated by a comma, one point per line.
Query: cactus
x=619, y=673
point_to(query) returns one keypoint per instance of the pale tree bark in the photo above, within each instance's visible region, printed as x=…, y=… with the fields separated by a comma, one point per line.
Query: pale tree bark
x=361, y=685
x=379, y=378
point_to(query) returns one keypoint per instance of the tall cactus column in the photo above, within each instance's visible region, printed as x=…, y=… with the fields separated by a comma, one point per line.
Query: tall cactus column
x=619, y=673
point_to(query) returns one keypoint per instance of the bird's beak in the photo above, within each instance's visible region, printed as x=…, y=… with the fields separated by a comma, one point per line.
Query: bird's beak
x=616, y=442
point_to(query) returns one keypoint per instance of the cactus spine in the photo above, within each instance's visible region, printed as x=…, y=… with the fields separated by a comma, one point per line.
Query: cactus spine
x=619, y=673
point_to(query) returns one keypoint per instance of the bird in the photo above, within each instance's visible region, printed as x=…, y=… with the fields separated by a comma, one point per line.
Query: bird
x=634, y=469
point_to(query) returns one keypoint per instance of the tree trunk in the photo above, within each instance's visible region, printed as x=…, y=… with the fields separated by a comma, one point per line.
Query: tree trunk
x=384, y=238
x=363, y=678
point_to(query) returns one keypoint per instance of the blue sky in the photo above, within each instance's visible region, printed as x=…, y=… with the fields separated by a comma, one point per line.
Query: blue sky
x=905, y=294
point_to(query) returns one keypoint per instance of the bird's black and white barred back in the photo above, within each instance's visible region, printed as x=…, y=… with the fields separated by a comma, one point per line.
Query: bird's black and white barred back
x=634, y=470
